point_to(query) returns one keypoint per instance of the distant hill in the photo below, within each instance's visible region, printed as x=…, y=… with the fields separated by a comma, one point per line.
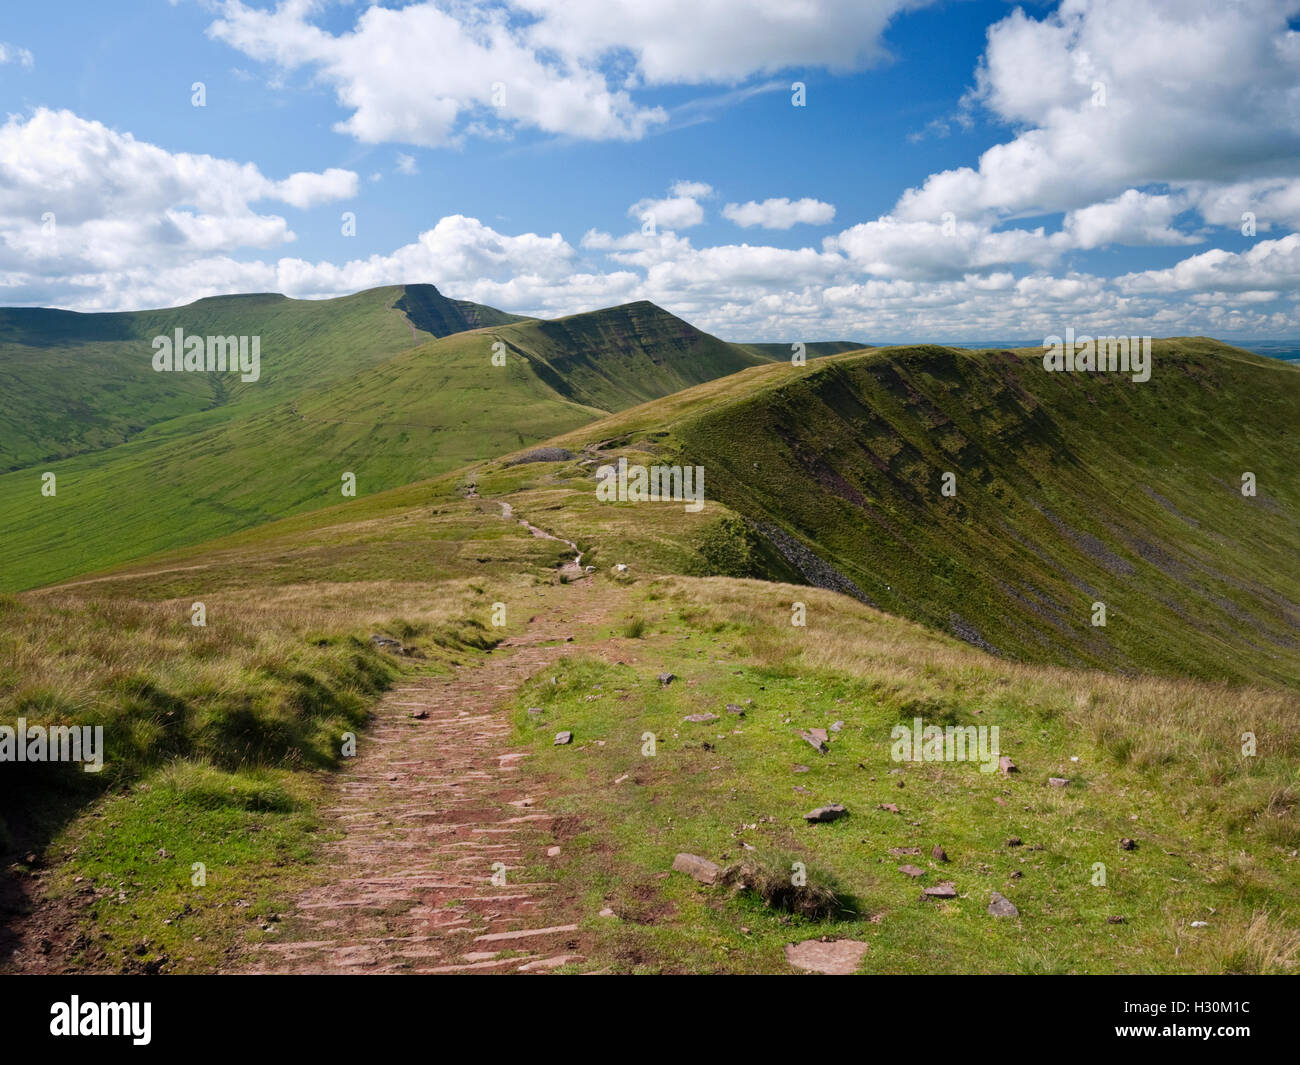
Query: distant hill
x=816, y=349
x=392, y=385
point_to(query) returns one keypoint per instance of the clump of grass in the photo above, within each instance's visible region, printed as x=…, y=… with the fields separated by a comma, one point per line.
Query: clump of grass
x=634, y=628
x=1259, y=946
x=771, y=879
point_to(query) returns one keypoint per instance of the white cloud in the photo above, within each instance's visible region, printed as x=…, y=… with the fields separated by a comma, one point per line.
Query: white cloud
x=1270, y=265
x=1133, y=218
x=10, y=53
x=779, y=213
x=415, y=74
x=1193, y=91
x=692, y=42
x=76, y=197
x=430, y=75
x=680, y=210
x=406, y=164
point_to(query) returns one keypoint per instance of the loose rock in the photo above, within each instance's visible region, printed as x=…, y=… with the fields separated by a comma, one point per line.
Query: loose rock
x=822, y=814
x=561, y=738
x=701, y=869
x=1000, y=906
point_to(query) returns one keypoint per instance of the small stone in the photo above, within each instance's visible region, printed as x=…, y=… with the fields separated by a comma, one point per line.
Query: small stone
x=561, y=738
x=701, y=869
x=814, y=741
x=1058, y=782
x=552, y=852
x=946, y=890
x=889, y=806
x=1014, y=841
x=606, y=912
x=939, y=854
x=1127, y=844
x=535, y=711
x=1007, y=766
x=837, y=726
x=1000, y=906
x=801, y=769
x=667, y=678
x=1115, y=919
x=701, y=719
x=822, y=814
x=1017, y=875
x=802, y=790
x=1200, y=924
x=903, y=852
x=419, y=715
x=732, y=708
x=911, y=870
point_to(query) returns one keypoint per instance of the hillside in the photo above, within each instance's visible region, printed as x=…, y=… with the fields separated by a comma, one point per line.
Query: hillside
x=1071, y=489
x=402, y=412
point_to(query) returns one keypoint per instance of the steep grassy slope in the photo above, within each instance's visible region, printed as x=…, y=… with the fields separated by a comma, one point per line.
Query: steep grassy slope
x=390, y=421
x=624, y=356
x=1071, y=489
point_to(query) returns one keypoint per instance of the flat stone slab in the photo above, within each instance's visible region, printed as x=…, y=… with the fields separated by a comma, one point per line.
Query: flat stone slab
x=701, y=719
x=561, y=738
x=946, y=890
x=1001, y=906
x=524, y=933
x=701, y=869
x=911, y=870
x=815, y=741
x=840, y=957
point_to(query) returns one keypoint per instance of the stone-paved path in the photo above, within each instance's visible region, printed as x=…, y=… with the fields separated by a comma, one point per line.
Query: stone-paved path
x=426, y=808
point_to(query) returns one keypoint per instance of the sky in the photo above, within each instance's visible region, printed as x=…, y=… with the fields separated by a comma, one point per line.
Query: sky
x=782, y=170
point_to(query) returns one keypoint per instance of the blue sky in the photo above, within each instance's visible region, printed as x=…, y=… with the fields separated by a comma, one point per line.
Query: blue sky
x=955, y=172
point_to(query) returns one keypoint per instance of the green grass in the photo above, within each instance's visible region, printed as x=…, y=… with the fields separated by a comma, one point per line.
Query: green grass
x=1216, y=832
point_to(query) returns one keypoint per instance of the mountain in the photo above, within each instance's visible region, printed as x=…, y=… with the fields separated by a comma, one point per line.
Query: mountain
x=391, y=385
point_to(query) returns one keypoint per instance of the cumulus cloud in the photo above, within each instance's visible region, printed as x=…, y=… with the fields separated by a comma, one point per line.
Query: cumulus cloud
x=76, y=196
x=680, y=210
x=429, y=75
x=1133, y=218
x=1210, y=95
x=779, y=213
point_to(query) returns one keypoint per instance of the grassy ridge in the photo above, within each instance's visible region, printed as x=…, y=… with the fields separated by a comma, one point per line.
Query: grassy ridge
x=1070, y=489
